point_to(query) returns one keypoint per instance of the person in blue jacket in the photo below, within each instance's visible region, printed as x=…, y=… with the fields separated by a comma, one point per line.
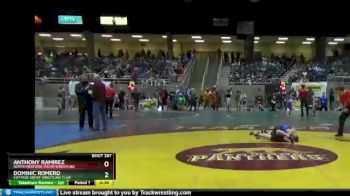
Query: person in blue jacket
x=324, y=102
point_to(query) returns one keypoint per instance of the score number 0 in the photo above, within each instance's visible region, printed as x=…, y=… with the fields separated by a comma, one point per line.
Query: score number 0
x=106, y=164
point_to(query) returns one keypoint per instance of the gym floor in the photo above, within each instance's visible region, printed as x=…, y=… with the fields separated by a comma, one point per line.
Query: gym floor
x=157, y=149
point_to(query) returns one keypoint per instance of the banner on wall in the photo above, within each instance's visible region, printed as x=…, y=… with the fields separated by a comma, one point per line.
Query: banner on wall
x=318, y=87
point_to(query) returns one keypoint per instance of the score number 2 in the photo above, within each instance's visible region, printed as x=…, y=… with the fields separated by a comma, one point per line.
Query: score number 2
x=106, y=164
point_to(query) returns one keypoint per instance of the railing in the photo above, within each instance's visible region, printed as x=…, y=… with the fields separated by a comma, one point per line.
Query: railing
x=119, y=61
x=340, y=79
x=288, y=71
x=188, y=72
x=124, y=80
x=205, y=73
x=219, y=71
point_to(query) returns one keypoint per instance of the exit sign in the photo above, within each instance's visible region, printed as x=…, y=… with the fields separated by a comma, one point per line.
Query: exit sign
x=71, y=20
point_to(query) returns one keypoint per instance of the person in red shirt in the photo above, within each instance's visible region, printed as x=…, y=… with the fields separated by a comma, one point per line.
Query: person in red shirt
x=110, y=94
x=303, y=96
x=344, y=98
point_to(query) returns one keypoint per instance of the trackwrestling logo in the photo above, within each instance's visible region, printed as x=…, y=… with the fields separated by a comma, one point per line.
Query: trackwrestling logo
x=253, y=156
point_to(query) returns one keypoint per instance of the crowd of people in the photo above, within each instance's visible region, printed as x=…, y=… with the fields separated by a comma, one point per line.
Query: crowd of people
x=317, y=71
x=262, y=70
x=150, y=69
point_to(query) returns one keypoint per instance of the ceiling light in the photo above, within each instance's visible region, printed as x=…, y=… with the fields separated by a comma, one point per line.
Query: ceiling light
x=283, y=38
x=310, y=39
x=106, y=35
x=256, y=42
x=280, y=42
x=307, y=43
x=164, y=36
x=75, y=35
x=144, y=40
x=115, y=40
x=137, y=36
x=199, y=40
x=339, y=39
x=174, y=40
x=196, y=37
x=44, y=35
x=83, y=39
x=40, y=53
x=256, y=38
x=332, y=43
x=225, y=37
x=226, y=41
x=58, y=39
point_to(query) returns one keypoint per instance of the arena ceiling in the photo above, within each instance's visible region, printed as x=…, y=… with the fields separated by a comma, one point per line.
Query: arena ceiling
x=181, y=38
x=271, y=17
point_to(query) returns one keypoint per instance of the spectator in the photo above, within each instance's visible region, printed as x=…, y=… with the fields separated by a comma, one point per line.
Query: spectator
x=311, y=101
x=84, y=96
x=61, y=99
x=121, y=96
x=110, y=95
x=331, y=99
x=324, y=102
x=303, y=97
x=135, y=95
x=99, y=97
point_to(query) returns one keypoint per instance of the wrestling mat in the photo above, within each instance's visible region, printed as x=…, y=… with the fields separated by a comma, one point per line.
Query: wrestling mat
x=222, y=159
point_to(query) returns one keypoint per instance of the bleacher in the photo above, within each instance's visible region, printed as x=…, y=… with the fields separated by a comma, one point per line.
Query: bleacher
x=316, y=72
x=259, y=72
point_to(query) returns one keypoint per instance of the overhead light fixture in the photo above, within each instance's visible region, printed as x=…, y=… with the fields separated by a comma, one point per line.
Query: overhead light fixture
x=106, y=35
x=115, y=40
x=256, y=42
x=40, y=53
x=332, y=43
x=196, y=37
x=225, y=37
x=339, y=39
x=60, y=46
x=58, y=38
x=226, y=41
x=44, y=35
x=280, y=42
x=310, y=39
x=283, y=38
x=83, y=39
x=199, y=41
x=137, y=36
x=174, y=40
x=164, y=36
x=75, y=35
x=144, y=40
x=256, y=38
x=306, y=43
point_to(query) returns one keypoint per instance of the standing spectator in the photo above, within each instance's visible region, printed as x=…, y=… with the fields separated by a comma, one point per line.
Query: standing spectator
x=228, y=95
x=311, y=101
x=71, y=89
x=99, y=97
x=135, y=95
x=84, y=98
x=110, y=94
x=237, y=99
x=121, y=96
x=303, y=96
x=344, y=98
x=206, y=99
x=61, y=95
x=324, y=102
x=163, y=98
x=331, y=99
x=43, y=81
